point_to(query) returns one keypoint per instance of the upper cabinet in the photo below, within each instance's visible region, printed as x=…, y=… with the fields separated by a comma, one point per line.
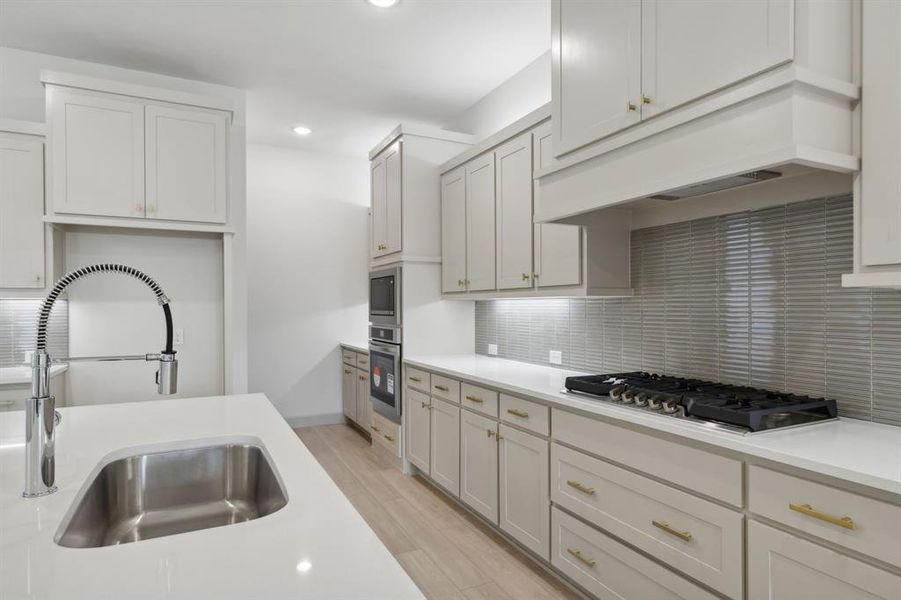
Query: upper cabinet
x=658, y=100
x=490, y=243
x=21, y=211
x=596, y=70
x=117, y=155
x=616, y=63
x=405, y=210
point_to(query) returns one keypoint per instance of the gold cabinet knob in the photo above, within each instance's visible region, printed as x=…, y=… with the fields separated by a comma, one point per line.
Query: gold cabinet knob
x=630, y=107
x=645, y=99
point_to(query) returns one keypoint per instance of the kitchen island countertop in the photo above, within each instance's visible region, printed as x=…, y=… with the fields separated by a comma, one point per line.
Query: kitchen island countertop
x=316, y=546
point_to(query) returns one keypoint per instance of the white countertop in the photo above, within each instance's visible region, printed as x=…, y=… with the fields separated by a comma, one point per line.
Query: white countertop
x=256, y=559
x=22, y=375
x=356, y=346
x=861, y=452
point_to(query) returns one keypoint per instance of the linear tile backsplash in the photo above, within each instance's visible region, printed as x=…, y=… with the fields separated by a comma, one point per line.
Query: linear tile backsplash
x=751, y=298
x=18, y=329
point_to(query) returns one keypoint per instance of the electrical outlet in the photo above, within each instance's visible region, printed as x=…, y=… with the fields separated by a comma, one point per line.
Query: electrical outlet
x=492, y=349
x=555, y=357
x=178, y=337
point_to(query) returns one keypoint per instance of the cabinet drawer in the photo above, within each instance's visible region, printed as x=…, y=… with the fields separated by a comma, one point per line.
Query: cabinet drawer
x=698, y=537
x=418, y=379
x=363, y=361
x=445, y=388
x=693, y=469
x=385, y=433
x=608, y=569
x=785, y=567
x=349, y=357
x=873, y=528
x=479, y=399
x=528, y=415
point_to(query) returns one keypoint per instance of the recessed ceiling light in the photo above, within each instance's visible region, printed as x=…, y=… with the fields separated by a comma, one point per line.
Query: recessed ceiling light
x=301, y=130
x=304, y=566
x=383, y=3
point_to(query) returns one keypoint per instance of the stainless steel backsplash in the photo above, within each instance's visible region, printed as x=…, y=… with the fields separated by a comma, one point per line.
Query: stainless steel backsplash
x=18, y=329
x=751, y=298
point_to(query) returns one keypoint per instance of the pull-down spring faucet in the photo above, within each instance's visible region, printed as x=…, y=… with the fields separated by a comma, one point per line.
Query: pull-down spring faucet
x=40, y=423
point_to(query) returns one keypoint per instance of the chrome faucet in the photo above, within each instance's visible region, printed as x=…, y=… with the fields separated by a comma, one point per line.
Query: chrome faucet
x=40, y=409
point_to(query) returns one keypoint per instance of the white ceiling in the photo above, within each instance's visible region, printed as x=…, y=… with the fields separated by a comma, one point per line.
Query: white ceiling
x=346, y=69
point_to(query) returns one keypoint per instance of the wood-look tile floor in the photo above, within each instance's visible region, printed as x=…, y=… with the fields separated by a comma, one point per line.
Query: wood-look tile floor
x=449, y=553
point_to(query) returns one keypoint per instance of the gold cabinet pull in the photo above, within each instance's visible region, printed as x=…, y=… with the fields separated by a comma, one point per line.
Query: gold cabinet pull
x=374, y=428
x=645, y=99
x=416, y=379
x=630, y=107
x=806, y=509
x=525, y=276
x=580, y=486
x=443, y=388
x=460, y=283
x=496, y=435
x=518, y=413
x=475, y=399
x=388, y=437
x=347, y=371
x=578, y=554
x=428, y=406
x=685, y=536
x=362, y=378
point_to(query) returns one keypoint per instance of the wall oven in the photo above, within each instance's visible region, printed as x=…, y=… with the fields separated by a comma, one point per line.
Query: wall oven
x=384, y=371
x=385, y=297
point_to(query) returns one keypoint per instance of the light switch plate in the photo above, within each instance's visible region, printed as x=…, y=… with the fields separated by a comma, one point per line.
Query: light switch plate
x=178, y=337
x=492, y=349
x=555, y=357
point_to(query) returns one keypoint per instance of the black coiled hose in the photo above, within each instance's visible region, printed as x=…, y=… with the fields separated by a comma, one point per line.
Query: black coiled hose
x=65, y=280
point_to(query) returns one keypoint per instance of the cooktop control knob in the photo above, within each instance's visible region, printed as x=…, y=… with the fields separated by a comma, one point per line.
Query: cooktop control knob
x=670, y=407
x=616, y=392
x=654, y=403
x=641, y=399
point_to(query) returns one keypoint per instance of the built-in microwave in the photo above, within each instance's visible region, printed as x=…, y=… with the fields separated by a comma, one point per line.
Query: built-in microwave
x=384, y=297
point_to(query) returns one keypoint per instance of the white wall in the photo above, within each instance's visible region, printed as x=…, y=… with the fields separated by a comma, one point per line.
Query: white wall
x=518, y=96
x=307, y=234
x=114, y=314
x=22, y=97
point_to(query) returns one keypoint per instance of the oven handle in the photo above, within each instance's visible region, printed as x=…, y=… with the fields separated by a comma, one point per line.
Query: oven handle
x=392, y=349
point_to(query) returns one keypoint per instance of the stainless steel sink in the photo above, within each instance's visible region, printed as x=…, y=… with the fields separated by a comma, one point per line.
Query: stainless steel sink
x=157, y=494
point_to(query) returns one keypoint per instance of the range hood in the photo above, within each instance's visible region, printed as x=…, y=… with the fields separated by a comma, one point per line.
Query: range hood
x=788, y=129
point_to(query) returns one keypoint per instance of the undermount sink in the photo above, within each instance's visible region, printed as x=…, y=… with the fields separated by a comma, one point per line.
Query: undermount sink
x=155, y=494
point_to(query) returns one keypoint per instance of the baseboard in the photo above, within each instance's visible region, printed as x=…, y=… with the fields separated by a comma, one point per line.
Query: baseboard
x=314, y=420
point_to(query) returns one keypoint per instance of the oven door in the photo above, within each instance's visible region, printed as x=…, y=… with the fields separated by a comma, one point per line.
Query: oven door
x=384, y=297
x=385, y=380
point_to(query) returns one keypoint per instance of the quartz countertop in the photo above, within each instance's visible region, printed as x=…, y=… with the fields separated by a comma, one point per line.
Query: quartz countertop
x=356, y=346
x=339, y=555
x=861, y=452
x=22, y=375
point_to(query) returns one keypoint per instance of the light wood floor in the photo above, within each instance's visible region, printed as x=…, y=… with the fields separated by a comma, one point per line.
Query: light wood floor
x=444, y=549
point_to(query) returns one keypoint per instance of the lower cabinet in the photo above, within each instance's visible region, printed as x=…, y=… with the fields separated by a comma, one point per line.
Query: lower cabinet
x=417, y=411
x=364, y=406
x=349, y=391
x=523, y=486
x=445, y=445
x=782, y=566
x=608, y=569
x=478, y=464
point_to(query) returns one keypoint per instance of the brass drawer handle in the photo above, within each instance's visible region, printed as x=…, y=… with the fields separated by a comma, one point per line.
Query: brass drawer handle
x=806, y=509
x=475, y=399
x=416, y=379
x=685, y=536
x=347, y=371
x=374, y=428
x=443, y=388
x=580, y=486
x=518, y=413
x=578, y=554
x=388, y=437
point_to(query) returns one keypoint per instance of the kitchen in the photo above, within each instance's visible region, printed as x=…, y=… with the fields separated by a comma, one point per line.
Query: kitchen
x=599, y=299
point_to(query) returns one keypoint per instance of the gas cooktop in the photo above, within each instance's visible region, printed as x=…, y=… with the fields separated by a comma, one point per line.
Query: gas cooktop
x=734, y=408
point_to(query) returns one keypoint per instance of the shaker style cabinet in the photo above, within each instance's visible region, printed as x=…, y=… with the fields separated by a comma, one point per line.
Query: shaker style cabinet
x=445, y=445
x=478, y=464
x=349, y=391
x=386, y=200
x=453, y=231
x=523, y=489
x=480, y=223
x=417, y=407
x=120, y=156
x=21, y=213
x=616, y=63
x=513, y=186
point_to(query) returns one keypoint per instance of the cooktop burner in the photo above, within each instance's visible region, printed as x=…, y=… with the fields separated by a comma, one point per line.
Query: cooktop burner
x=741, y=408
